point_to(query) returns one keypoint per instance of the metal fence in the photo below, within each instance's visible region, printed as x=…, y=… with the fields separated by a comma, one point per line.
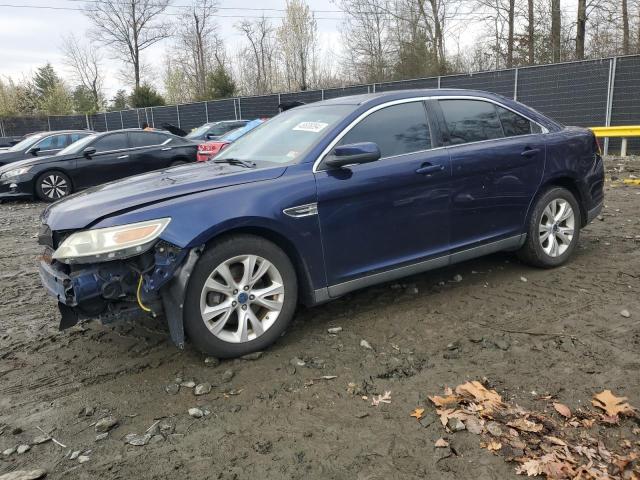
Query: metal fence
x=601, y=92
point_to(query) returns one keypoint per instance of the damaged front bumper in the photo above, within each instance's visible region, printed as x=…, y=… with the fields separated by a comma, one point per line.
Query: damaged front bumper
x=154, y=283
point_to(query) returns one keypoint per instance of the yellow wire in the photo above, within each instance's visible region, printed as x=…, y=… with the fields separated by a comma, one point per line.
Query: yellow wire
x=146, y=309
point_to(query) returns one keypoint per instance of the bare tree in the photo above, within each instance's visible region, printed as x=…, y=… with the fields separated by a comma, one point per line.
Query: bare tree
x=257, y=62
x=298, y=42
x=367, y=36
x=85, y=63
x=581, y=26
x=556, y=26
x=129, y=27
x=199, y=48
x=626, y=46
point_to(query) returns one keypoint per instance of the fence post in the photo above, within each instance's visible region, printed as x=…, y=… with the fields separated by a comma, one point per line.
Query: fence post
x=515, y=86
x=49, y=122
x=610, y=88
x=86, y=117
x=239, y=114
x=439, y=77
x=121, y=120
x=374, y=88
x=206, y=111
x=322, y=94
x=2, y=128
x=279, y=100
x=153, y=122
x=106, y=125
x=178, y=113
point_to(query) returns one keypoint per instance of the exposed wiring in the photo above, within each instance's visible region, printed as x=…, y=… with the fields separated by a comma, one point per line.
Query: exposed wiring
x=142, y=306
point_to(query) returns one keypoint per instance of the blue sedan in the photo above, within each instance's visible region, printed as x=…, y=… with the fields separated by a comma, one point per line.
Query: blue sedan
x=317, y=202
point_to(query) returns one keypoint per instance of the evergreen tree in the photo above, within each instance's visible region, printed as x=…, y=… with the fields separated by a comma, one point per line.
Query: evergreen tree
x=220, y=84
x=145, y=96
x=119, y=101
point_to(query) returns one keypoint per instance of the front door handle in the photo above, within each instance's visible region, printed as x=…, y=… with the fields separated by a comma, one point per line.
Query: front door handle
x=530, y=152
x=166, y=148
x=122, y=157
x=428, y=168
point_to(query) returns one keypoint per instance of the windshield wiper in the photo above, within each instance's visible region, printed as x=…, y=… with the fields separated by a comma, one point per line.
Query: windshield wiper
x=236, y=161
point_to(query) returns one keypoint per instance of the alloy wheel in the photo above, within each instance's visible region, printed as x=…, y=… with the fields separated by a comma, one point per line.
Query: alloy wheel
x=54, y=186
x=557, y=227
x=242, y=298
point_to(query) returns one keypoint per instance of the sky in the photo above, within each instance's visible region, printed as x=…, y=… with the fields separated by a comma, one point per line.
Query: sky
x=31, y=37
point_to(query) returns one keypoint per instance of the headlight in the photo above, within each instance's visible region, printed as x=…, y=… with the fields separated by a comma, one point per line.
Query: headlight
x=16, y=172
x=112, y=243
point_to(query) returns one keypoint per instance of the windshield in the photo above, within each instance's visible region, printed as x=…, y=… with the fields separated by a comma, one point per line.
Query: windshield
x=77, y=147
x=288, y=136
x=200, y=131
x=233, y=135
x=26, y=143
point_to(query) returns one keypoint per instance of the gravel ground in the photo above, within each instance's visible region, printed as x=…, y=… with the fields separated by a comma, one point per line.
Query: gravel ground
x=528, y=332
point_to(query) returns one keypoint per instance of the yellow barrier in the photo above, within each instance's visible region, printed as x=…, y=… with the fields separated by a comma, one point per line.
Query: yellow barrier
x=623, y=132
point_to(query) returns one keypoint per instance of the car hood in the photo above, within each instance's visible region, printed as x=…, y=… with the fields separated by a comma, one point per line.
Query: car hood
x=92, y=205
x=18, y=160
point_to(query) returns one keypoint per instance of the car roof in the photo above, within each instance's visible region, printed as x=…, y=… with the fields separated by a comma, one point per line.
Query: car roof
x=400, y=94
x=58, y=132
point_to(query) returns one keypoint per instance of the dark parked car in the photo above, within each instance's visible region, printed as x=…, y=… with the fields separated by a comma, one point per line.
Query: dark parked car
x=94, y=160
x=214, y=130
x=41, y=145
x=317, y=202
x=8, y=142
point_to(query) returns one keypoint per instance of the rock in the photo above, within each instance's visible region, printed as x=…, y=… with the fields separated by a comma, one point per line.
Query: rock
x=40, y=440
x=414, y=290
x=455, y=424
x=9, y=451
x=476, y=338
x=494, y=428
x=453, y=346
x=188, y=384
x=102, y=436
x=235, y=408
x=87, y=411
x=365, y=344
x=196, y=412
x=105, y=424
x=154, y=429
x=451, y=355
x=625, y=313
x=523, y=279
x=502, y=344
x=166, y=428
x=211, y=362
x=457, y=278
x=74, y=455
x=23, y=449
x=24, y=475
x=297, y=362
x=474, y=426
x=427, y=420
x=334, y=330
x=202, y=389
x=83, y=459
x=228, y=375
x=252, y=356
x=16, y=431
x=172, y=388
x=137, y=440
x=156, y=439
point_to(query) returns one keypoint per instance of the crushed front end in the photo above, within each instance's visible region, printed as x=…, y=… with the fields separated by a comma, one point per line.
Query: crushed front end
x=116, y=273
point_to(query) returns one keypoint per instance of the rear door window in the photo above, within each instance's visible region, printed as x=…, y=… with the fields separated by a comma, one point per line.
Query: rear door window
x=514, y=124
x=113, y=141
x=147, y=139
x=54, y=142
x=397, y=130
x=471, y=121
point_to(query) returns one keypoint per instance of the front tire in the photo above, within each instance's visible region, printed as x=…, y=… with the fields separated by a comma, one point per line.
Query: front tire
x=52, y=186
x=554, y=229
x=241, y=296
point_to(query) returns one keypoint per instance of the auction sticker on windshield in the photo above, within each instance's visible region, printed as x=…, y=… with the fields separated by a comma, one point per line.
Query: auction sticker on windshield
x=314, y=127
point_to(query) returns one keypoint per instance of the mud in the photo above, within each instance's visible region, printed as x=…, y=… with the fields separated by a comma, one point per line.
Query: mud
x=529, y=332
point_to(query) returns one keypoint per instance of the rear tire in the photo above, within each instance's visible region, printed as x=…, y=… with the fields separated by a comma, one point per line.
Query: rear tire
x=554, y=229
x=52, y=186
x=241, y=296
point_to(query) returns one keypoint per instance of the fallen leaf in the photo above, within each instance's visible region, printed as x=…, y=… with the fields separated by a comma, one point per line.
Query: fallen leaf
x=611, y=404
x=441, y=443
x=493, y=446
x=525, y=425
x=562, y=409
x=378, y=399
x=479, y=392
x=439, y=401
x=417, y=413
x=556, y=441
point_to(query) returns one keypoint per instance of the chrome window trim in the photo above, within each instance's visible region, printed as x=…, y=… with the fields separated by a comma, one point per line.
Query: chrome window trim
x=362, y=116
x=133, y=148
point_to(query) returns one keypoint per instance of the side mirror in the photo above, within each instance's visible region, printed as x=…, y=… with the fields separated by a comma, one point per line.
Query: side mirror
x=87, y=152
x=34, y=151
x=353, y=154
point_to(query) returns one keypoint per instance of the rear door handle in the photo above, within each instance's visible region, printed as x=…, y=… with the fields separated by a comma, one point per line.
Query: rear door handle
x=530, y=152
x=122, y=157
x=166, y=148
x=427, y=168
